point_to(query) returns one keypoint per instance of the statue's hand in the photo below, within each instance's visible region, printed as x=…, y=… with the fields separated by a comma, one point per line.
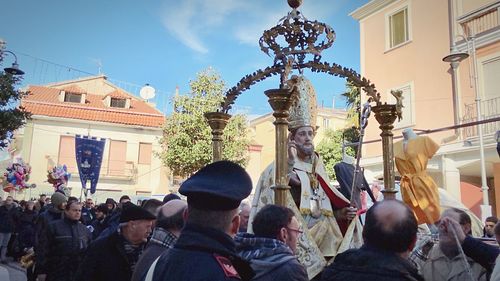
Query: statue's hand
x=346, y=213
x=292, y=150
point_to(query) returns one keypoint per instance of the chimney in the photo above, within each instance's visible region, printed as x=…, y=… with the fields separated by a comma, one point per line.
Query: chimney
x=333, y=102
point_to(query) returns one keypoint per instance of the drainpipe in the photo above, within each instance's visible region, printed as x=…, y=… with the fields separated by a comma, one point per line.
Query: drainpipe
x=454, y=78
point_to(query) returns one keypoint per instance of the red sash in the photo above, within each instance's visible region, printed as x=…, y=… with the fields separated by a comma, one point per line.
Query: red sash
x=337, y=203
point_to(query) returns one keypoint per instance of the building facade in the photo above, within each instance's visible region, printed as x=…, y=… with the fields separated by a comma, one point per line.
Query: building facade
x=94, y=107
x=403, y=43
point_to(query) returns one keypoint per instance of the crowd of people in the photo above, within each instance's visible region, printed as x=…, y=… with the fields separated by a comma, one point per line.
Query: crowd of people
x=205, y=238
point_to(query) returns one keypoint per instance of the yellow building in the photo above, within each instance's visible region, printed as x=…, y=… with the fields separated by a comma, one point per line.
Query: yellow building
x=93, y=106
x=262, y=130
x=403, y=43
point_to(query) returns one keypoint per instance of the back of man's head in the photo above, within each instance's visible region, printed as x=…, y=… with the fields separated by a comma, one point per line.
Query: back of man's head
x=152, y=205
x=171, y=215
x=269, y=221
x=391, y=226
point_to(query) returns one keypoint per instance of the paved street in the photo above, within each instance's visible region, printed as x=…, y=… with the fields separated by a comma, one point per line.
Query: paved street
x=12, y=272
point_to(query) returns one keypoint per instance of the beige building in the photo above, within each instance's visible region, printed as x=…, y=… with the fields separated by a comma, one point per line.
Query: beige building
x=95, y=107
x=403, y=43
x=262, y=130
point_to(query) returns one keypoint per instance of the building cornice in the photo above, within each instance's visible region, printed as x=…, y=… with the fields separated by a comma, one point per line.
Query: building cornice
x=100, y=123
x=370, y=8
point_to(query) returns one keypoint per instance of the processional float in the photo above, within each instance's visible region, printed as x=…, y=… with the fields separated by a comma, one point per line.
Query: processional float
x=305, y=39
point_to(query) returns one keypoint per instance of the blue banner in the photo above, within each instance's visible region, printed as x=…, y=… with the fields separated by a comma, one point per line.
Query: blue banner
x=89, y=151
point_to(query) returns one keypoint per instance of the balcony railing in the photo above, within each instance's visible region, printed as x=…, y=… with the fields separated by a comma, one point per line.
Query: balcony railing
x=481, y=20
x=489, y=109
x=121, y=171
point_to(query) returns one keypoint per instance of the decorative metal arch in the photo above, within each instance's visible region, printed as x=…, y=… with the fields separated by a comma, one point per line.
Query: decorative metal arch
x=304, y=38
x=316, y=66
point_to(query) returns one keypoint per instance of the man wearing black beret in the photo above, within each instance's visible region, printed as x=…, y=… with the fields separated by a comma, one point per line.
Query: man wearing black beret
x=114, y=257
x=205, y=249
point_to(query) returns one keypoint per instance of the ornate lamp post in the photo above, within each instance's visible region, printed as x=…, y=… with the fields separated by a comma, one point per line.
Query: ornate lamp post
x=217, y=121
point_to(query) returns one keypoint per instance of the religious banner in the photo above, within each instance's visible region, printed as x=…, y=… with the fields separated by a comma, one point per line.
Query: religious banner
x=89, y=151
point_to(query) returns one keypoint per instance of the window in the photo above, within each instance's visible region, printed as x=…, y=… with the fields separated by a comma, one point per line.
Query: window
x=67, y=155
x=73, y=97
x=117, y=158
x=398, y=28
x=408, y=106
x=326, y=123
x=115, y=102
x=491, y=76
x=145, y=150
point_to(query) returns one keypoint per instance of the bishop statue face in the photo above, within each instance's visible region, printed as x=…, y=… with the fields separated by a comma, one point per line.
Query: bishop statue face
x=303, y=138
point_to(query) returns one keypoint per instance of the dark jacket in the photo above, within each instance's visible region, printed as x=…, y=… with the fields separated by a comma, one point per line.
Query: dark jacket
x=160, y=241
x=67, y=241
x=26, y=228
x=370, y=264
x=480, y=252
x=42, y=224
x=112, y=224
x=98, y=227
x=88, y=215
x=105, y=260
x=270, y=259
x=202, y=253
x=8, y=218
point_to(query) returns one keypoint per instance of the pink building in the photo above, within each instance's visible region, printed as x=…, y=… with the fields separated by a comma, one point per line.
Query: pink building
x=403, y=43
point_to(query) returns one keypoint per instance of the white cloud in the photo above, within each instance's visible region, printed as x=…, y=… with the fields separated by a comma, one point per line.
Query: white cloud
x=192, y=21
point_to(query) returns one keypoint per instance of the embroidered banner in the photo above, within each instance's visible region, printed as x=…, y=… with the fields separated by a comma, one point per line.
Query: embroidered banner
x=89, y=151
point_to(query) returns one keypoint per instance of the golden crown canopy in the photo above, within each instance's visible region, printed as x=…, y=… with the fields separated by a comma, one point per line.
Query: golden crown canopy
x=303, y=111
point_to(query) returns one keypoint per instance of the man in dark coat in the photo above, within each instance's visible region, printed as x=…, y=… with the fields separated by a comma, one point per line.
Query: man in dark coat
x=67, y=240
x=205, y=249
x=114, y=257
x=271, y=249
x=8, y=214
x=53, y=213
x=100, y=221
x=389, y=235
x=169, y=223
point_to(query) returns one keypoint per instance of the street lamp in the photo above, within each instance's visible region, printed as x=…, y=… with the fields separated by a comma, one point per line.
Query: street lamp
x=14, y=69
x=454, y=59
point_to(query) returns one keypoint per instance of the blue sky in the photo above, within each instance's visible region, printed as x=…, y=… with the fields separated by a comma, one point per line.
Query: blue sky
x=165, y=43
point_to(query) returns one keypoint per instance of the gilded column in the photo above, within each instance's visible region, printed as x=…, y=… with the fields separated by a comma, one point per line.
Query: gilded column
x=280, y=101
x=386, y=114
x=217, y=121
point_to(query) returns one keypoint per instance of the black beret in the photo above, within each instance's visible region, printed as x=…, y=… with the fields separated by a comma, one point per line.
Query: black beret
x=219, y=186
x=169, y=197
x=132, y=212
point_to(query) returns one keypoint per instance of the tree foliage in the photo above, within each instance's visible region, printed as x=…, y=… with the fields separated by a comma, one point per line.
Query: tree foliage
x=12, y=116
x=187, y=138
x=330, y=150
x=353, y=102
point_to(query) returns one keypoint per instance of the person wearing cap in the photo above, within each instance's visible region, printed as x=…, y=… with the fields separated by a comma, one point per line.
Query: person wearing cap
x=53, y=213
x=330, y=223
x=67, y=240
x=114, y=257
x=205, y=249
x=168, y=226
